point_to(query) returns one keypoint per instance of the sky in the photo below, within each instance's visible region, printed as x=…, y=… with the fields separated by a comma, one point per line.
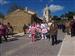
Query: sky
x=57, y=7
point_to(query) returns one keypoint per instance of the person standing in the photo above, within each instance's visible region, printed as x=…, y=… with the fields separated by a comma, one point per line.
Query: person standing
x=49, y=25
x=25, y=27
x=63, y=27
x=10, y=29
x=67, y=25
x=53, y=32
x=0, y=32
x=3, y=32
x=73, y=27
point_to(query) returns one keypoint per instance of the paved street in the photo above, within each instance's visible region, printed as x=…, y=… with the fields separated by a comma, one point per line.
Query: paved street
x=23, y=46
x=20, y=18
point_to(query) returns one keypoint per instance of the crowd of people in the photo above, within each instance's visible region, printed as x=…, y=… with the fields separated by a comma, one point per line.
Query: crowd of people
x=69, y=27
x=37, y=31
x=49, y=30
x=43, y=31
x=5, y=30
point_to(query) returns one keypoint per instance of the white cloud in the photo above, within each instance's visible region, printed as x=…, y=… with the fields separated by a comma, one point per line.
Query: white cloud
x=55, y=8
x=2, y=2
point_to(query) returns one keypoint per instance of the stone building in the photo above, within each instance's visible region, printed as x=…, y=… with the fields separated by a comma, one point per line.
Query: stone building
x=20, y=17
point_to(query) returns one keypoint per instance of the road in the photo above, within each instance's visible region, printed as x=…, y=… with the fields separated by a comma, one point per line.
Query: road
x=22, y=46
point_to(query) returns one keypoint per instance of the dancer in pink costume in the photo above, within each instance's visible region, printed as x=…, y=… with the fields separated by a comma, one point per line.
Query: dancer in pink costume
x=33, y=31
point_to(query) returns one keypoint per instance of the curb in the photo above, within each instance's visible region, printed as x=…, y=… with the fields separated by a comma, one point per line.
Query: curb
x=19, y=34
x=66, y=47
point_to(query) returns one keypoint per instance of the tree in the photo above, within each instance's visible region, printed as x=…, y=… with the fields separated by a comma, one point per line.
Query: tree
x=69, y=15
x=1, y=15
x=56, y=18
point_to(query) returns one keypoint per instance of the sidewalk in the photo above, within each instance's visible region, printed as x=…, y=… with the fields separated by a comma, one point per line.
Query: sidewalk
x=68, y=46
x=19, y=34
x=16, y=35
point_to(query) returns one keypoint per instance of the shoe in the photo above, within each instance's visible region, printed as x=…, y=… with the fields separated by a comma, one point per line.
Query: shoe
x=52, y=44
x=0, y=42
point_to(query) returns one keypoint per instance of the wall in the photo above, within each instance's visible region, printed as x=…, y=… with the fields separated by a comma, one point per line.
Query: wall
x=17, y=19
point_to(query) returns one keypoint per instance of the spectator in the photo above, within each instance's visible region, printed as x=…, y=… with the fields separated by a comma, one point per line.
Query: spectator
x=67, y=25
x=53, y=32
x=3, y=32
x=0, y=32
x=10, y=29
x=24, y=28
x=73, y=27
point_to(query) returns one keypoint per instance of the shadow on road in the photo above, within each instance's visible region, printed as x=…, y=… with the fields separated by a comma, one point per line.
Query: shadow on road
x=59, y=41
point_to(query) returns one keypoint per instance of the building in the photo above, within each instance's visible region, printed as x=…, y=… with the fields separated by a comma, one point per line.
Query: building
x=47, y=13
x=20, y=17
x=1, y=20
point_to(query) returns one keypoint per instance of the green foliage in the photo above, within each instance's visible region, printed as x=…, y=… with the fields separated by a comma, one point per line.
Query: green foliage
x=1, y=15
x=69, y=15
x=56, y=18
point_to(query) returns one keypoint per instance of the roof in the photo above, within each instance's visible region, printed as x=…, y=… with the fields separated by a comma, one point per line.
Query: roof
x=29, y=12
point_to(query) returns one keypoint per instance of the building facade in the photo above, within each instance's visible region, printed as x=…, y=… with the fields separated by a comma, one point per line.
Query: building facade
x=20, y=17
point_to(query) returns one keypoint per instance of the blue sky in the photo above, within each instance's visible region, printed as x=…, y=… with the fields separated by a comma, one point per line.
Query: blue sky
x=57, y=7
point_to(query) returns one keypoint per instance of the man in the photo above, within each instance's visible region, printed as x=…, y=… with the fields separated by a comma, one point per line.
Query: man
x=0, y=32
x=53, y=32
x=10, y=29
x=25, y=28
x=67, y=25
x=49, y=25
x=73, y=27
